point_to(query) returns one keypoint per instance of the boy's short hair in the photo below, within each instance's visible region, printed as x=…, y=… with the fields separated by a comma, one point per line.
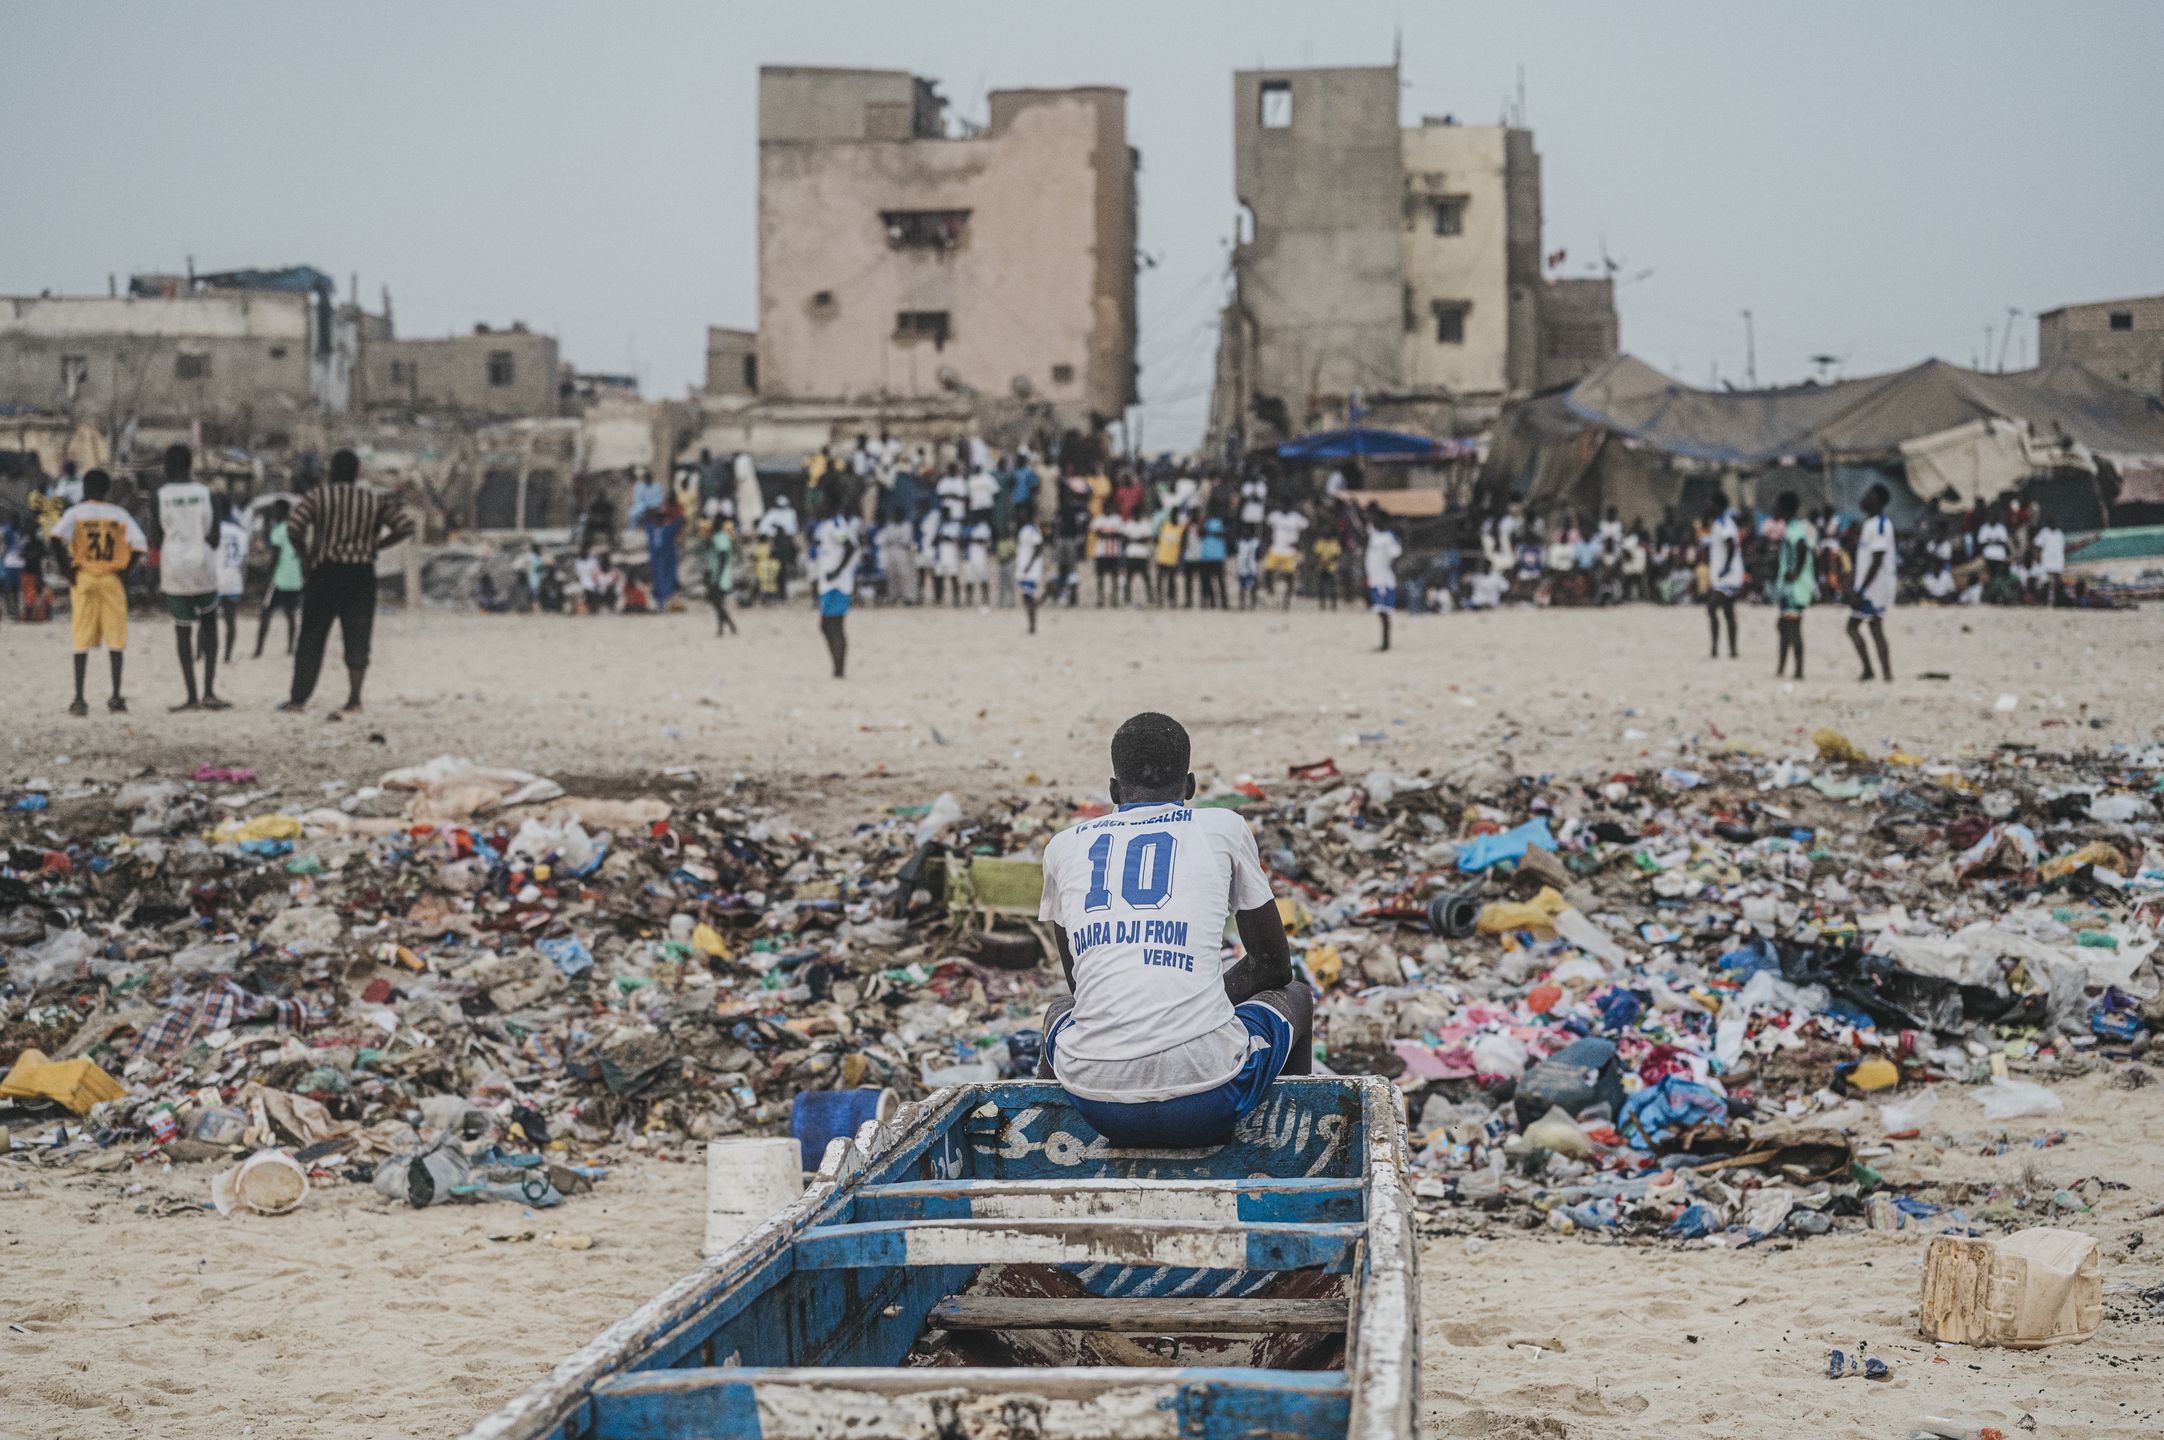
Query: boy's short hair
x=179, y=461
x=1151, y=751
x=1787, y=506
x=97, y=485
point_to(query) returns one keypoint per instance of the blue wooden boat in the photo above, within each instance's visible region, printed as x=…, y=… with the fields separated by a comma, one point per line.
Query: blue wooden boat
x=985, y=1266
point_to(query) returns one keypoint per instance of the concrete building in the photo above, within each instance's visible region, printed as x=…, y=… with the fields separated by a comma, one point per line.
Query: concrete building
x=1386, y=271
x=493, y=374
x=1319, y=273
x=1578, y=329
x=732, y=361
x=2122, y=340
x=902, y=256
x=243, y=362
x=1472, y=259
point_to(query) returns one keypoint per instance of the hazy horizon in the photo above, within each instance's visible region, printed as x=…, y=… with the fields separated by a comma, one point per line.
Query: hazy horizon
x=1874, y=183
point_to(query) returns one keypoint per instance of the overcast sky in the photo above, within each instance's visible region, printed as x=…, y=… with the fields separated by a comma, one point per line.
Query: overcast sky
x=1875, y=181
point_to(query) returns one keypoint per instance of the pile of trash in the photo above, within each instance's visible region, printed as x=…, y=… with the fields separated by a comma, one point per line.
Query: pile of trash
x=1719, y=1001
x=1659, y=1002
x=462, y=983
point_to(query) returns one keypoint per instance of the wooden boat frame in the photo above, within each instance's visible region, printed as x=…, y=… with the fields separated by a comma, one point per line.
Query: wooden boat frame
x=1310, y=1192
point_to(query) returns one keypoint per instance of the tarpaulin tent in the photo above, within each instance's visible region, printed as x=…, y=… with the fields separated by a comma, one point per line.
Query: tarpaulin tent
x=1364, y=444
x=1980, y=434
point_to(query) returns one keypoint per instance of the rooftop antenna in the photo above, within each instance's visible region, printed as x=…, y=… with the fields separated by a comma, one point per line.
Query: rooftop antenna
x=2012, y=313
x=1520, y=121
x=1750, y=354
x=1824, y=363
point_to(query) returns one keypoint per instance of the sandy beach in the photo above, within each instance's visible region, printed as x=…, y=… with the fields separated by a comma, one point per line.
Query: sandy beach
x=131, y=1310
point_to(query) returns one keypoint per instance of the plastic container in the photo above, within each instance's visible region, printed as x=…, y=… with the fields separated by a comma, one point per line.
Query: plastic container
x=1582, y=1074
x=218, y=1125
x=747, y=1182
x=2024, y=1291
x=269, y=1182
x=819, y=1117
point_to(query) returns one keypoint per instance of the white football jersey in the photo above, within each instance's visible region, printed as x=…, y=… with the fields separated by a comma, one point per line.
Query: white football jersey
x=1144, y=895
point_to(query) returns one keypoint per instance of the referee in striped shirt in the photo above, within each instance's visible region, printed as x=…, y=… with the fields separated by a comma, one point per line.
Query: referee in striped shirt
x=339, y=529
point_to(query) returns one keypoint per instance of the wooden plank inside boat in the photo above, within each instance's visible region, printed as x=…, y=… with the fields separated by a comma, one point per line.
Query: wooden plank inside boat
x=1201, y=1245
x=1300, y=1198
x=820, y=1404
x=1139, y=1317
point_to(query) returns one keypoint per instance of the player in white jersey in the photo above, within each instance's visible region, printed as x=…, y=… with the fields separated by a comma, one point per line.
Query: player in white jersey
x=1165, y=1043
x=1724, y=572
x=1029, y=568
x=837, y=549
x=187, y=541
x=1383, y=550
x=232, y=570
x=1874, y=581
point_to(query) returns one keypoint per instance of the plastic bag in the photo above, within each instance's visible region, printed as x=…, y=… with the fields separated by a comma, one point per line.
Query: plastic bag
x=1654, y=1115
x=1482, y=851
x=945, y=814
x=1901, y=1116
x=2012, y=1099
x=1558, y=1132
x=1500, y=1054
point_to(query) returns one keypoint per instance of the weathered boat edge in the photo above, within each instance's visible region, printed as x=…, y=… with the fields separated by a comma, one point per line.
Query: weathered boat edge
x=1382, y=1369
x=547, y=1406
x=1384, y=1376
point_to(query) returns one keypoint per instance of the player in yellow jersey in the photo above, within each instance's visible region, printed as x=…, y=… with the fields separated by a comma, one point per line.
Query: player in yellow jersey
x=100, y=541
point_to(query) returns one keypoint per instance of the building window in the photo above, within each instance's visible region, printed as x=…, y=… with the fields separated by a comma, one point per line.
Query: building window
x=401, y=372
x=1450, y=322
x=751, y=374
x=1450, y=215
x=191, y=367
x=1276, y=104
x=278, y=352
x=2122, y=319
x=501, y=370
x=924, y=229
x=74, y=374
x=914, y=325
x=1063, y=374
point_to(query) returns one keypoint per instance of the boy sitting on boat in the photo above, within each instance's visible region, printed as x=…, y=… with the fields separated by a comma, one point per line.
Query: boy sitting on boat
x=1164, y=1044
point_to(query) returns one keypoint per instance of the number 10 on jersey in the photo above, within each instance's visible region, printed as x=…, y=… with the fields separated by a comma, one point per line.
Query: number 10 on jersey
x=1145, y=870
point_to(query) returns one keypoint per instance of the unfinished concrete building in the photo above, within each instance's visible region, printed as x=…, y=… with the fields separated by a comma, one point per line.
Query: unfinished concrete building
x=241, y=359
x=491, y=374
x=905, y=257
x=1388, y=272
x=2121, y=340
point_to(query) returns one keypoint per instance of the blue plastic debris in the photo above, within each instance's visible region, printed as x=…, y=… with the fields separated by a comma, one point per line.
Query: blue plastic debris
x=1695, y=1223
x=1482, y=851
x=569, y=954
x=1672, y=1104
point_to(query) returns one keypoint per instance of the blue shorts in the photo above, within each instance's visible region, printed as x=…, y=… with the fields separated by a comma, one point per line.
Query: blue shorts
x=1191, y=1121
x=1027, y=587
x=1865, y=610
x=833, y=603
x=1382, y=599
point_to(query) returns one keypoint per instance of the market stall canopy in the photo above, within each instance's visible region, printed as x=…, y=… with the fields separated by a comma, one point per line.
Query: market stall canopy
x=1364, y=444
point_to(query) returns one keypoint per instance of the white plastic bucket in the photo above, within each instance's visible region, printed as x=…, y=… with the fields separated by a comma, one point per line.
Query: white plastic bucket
x=269, y=1182
x=747, y=1182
